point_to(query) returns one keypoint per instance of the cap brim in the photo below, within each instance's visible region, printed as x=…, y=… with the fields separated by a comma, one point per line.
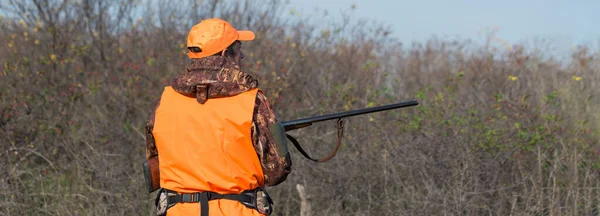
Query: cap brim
x=246, y=35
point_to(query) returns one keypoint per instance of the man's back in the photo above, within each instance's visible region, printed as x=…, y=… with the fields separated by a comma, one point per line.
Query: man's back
x=207, y=147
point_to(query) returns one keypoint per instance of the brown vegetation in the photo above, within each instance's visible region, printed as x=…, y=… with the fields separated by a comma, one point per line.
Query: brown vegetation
x=497, y=133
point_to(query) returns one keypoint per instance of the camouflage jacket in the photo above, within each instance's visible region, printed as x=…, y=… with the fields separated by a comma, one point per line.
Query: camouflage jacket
x=226, y=79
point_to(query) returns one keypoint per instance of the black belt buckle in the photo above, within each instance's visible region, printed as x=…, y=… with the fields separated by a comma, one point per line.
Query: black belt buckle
x=252, y=203
x=266, y=200
x=186, y=197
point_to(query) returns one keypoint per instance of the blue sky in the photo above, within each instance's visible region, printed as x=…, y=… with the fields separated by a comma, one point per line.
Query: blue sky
x=564, y=23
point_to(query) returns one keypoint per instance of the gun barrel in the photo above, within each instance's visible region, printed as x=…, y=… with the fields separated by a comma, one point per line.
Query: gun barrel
x=300, y=123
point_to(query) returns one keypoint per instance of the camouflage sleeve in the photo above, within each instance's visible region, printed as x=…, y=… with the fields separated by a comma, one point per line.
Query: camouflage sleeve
x=270, y=145
x=151, y=150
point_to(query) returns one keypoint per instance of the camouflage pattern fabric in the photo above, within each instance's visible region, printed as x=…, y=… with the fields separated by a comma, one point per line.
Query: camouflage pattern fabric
x=223, y=78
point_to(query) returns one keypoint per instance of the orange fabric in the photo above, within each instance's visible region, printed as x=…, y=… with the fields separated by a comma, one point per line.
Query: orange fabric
x=207, y=147
x=213, y=36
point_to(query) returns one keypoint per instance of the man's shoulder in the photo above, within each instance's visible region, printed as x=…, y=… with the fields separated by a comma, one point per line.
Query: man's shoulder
x=261, y=99
x=264, y=109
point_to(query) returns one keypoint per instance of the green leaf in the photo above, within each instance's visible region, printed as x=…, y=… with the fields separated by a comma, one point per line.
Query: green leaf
x=150, y=61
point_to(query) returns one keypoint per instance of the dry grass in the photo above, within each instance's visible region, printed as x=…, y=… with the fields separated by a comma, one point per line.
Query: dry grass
x=497, y=133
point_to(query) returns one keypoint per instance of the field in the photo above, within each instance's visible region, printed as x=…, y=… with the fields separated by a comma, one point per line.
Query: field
x=501, y=129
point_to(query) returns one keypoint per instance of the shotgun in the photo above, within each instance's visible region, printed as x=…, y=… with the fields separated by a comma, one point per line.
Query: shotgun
x=305, y=122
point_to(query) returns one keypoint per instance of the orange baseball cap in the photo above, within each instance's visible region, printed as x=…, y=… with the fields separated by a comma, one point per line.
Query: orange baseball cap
x=213, y=36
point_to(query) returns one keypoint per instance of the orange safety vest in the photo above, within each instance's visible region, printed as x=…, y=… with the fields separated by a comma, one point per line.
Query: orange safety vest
x=207, y=147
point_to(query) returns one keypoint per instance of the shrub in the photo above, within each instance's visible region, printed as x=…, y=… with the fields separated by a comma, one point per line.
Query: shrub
x=496, y=132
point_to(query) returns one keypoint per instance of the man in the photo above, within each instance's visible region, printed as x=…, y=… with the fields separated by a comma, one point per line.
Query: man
x=214, y=132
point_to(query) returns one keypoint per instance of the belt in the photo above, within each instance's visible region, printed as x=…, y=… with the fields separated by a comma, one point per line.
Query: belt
x=247, y=198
